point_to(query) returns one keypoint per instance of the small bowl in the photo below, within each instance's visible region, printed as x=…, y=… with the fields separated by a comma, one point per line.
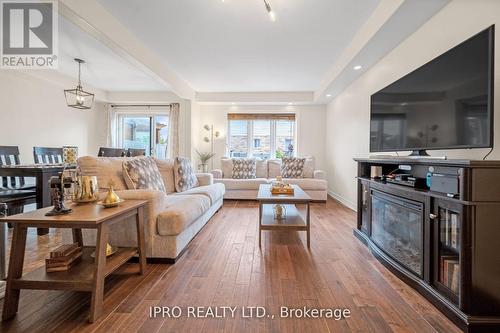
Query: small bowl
x=109, y=205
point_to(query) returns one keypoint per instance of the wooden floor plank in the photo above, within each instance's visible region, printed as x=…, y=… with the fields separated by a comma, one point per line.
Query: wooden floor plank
x=224, y=266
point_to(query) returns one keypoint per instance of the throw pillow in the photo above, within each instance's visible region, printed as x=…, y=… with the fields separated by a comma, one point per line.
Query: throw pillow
x=292, y=167
x=142, y=174
x=244, y=168
x=184, y=176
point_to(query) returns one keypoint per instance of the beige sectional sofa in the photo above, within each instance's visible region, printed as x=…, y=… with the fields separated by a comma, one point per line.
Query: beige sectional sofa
x=313, y=182
x=172, y=218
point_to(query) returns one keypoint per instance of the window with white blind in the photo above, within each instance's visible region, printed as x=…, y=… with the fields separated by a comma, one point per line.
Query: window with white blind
x=263, y=136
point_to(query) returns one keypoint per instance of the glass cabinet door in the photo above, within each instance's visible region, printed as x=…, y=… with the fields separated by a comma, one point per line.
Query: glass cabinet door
x=447, y=230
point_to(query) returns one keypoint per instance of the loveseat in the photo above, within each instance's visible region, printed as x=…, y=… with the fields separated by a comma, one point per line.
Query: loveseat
x=312, y=182
x=172, y=219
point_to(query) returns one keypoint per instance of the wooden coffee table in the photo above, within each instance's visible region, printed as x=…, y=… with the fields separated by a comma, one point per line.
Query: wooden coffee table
x=86, y=275
x=294, y=219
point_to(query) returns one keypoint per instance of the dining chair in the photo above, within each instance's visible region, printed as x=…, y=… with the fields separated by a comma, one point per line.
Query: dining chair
x=47, y=155
x=9, y=155
x=112, y=152
x=14, y=192
x=133, y=152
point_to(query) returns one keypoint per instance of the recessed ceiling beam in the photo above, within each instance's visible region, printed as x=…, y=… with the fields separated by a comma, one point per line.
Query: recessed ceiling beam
x=99, y=23
x=255, y=97
x=379, y=17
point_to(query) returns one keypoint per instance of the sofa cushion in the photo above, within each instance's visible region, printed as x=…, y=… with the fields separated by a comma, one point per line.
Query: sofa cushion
x=227, y=167
x=244, y=168
x=107, y=169
x=184, y=175
x=180, y=212
x=166, y=168
x=242, y=184
x=260, y=168
x=308, y=184
x=215, y=192
x=142, y=174
x=292, y=167
x=274, y=168
x=309, y=167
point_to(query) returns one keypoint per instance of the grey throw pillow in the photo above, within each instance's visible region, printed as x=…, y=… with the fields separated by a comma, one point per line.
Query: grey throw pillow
x=142, y=174
x=184, y=175
x=292, y=167
x=244, y=168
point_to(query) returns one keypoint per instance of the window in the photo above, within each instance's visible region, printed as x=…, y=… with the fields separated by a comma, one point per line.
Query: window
x=148, y=132
x=261, y=131
x=238, y=138
x=261, y=135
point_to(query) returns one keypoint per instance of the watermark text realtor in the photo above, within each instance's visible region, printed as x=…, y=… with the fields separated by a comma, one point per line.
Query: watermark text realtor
x=29, y=34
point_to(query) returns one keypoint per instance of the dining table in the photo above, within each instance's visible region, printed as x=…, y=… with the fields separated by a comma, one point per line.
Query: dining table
x=42, y=174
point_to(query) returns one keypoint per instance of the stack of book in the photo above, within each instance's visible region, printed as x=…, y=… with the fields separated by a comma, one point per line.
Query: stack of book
x=62, y=258
x=450, y=269
x=450, y=232
x=3, y=284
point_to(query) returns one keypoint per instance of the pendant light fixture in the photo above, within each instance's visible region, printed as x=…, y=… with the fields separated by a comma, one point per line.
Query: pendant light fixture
x=270, y=11
x=78, y=98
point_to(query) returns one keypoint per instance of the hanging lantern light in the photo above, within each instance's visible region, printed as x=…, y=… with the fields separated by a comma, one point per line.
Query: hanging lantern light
x=78, y=98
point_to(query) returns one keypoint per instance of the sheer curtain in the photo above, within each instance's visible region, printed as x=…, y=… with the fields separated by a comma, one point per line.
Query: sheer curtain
x=173, y=139
x=111, y=125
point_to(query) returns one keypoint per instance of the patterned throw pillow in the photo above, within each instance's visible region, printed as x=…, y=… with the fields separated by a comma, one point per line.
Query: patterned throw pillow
x=244, y=168
x=184, y=176
x=142, y=174
x=292, y=167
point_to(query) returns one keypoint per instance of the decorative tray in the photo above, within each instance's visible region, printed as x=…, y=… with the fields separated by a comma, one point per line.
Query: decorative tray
x=282, y=190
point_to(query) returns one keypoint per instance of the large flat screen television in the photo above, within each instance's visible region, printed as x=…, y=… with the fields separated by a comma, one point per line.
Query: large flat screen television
x=445, y=104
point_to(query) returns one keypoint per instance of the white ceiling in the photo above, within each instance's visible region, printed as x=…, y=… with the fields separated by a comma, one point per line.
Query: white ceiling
x=232, y=46
x=103, y=69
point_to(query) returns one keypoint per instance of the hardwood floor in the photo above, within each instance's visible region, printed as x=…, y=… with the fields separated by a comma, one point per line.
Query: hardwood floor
x=224, y=266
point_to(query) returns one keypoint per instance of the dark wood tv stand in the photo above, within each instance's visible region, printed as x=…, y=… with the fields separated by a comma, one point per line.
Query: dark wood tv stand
x=446, y=247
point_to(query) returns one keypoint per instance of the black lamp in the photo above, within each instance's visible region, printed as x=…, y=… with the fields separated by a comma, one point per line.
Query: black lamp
x=78, y=98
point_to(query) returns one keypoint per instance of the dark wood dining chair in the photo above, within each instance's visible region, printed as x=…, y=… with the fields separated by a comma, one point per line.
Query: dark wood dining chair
x=14, y=192
x=133, y=152
x=47, y=155
x=112, y=152
x=9, y=155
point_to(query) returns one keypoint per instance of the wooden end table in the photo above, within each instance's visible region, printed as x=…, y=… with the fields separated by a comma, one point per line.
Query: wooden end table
x=86, y=275
x=294, y=219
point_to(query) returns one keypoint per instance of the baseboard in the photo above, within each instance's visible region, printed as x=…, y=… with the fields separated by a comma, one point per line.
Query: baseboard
x=344, y=201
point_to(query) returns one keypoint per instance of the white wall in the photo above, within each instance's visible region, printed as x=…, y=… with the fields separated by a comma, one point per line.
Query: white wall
x=33, y=112
x=347, y=119
x=310, y=127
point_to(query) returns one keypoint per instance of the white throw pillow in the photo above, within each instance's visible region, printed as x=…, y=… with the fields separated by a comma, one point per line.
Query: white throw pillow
x=309, y=167
x=274, y=168
x=227, y=167
x=261, y=168
x=166, y=168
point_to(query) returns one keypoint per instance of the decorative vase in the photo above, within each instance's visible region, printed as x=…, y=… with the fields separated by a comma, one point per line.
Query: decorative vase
x=111, y=197
x=279, y=212
x=86, y=189
x=204, y=168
